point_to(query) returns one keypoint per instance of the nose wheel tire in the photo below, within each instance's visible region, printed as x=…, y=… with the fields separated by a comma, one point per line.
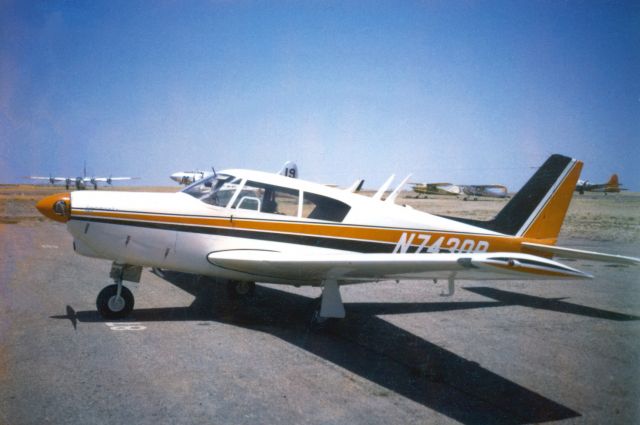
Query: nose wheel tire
x=112, y=306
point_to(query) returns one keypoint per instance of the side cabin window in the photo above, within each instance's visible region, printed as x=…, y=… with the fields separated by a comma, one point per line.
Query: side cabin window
x=268, y=198
x=320, y=207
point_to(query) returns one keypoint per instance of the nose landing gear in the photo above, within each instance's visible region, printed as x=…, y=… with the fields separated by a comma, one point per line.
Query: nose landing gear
x=116, y=301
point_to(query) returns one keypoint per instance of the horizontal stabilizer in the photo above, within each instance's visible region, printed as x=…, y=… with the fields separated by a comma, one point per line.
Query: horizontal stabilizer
x=581, y=254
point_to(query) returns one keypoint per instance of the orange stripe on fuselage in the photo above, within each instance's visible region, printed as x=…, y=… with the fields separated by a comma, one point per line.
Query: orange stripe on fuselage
x=502, y=243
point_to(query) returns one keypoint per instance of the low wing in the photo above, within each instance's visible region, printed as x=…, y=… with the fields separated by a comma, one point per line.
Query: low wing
x=57, y=179
x=106, y=179
x=354, y=267
x=581, y=254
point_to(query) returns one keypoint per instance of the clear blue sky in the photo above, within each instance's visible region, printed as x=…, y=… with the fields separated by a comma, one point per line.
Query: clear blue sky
x=467, y=92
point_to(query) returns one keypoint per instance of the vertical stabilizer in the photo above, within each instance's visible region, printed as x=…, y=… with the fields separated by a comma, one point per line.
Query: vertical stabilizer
x=289, y=169
x=538, y=209
x=546, y=221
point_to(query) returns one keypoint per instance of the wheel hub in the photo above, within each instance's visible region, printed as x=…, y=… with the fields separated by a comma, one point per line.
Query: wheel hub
x=116, y=303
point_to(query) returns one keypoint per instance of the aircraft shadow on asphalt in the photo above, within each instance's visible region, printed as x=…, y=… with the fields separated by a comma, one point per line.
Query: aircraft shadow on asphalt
x=376, y=349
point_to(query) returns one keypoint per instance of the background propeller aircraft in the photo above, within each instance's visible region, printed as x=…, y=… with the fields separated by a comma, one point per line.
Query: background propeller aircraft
x=82, y=182
x=612, y=186
x=188, y=177
x=289, y=169
x=288, y=231
x=475, y=191
x=436, y=189
x=486, y=191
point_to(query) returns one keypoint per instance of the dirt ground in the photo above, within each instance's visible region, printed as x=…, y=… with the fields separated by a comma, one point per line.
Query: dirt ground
x=18, y=201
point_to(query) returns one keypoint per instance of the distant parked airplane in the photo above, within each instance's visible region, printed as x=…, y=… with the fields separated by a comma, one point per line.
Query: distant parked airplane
x=612, y=186
x=436, y=189
x=487, y=190
x=475, y=191
x=289, y=169
x=82, y=182
x=188, y=177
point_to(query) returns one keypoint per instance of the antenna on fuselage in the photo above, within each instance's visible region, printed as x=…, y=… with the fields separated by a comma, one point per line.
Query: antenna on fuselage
x=214, y=171
x=384, y=187
x=356, y=186
x=392, y=198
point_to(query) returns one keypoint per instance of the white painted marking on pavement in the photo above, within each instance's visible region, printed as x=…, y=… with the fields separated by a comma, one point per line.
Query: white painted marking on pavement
x=122, y=326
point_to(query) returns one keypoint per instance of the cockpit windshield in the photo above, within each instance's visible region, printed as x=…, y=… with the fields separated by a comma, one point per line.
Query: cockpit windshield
x=215, y=190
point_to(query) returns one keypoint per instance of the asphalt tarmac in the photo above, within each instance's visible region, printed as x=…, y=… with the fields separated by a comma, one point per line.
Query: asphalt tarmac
x=494, y=353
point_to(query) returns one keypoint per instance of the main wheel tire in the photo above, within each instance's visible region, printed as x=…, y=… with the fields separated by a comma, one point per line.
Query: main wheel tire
x=110, y=307
x=238, y=289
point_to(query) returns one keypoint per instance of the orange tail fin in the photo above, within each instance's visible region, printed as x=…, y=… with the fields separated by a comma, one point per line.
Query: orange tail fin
x=538, y=209
x=546, y=220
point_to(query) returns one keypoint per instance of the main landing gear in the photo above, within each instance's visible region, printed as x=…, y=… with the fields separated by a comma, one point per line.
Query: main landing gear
x=331, y=308
x=116, y=301
x=240, y=289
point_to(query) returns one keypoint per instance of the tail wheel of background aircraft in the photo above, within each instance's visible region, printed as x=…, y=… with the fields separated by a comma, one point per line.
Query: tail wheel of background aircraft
x=240, y=289
x=110, y=306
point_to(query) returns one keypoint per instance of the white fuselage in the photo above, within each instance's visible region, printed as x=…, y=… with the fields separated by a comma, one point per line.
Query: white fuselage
x=177, y=231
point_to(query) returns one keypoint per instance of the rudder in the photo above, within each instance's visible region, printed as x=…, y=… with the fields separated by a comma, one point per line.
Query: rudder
x=538, y=209
x=546, y=221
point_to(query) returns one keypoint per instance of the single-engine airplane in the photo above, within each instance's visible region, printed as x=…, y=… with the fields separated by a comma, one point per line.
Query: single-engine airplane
x=82, y=182
x=436, y=189
x=289, y=169
x=289, y=231
x=469, y=191
x=612, y=186
x=188, y=177
x=485, y=190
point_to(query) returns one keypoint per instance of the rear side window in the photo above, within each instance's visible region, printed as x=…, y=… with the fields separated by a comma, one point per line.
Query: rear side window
x=320, y=207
